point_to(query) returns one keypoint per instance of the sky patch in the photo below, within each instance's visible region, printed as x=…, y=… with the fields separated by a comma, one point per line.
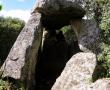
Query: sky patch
x=21, y=14
x=21, y=0
x=17, y=8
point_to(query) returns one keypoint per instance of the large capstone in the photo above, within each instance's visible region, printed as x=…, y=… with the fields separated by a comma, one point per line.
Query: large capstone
x=58, y=13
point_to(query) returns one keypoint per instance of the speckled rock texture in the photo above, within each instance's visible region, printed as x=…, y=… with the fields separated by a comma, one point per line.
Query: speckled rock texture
x=53, y=6
x=58, y=13
x=77, y=72
x=101, y=84
x=21, y=61
x=89, y=37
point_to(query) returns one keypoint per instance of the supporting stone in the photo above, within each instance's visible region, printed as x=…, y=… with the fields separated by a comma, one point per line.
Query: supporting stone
x=21, y=61
x=88, y=35
x=76, y=25
x=78, y=72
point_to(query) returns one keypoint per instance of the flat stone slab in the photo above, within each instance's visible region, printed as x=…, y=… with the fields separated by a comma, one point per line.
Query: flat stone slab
x=77, y=72
x=58, y=13
x=54, y=6
x=21, y=60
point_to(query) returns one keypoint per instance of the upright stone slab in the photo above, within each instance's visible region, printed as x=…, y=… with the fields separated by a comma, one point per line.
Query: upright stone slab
x=21, y=61
x=88, y=35
x=77, y=72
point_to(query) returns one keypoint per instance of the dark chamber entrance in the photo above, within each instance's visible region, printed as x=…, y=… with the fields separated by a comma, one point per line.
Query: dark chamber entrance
x=52, y=59
x=56, y=51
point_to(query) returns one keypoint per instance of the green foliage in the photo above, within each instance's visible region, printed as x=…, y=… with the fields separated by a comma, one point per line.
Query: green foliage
x=17, y=85
x=104, y=24
x=0, y=7
x=3, y=85
x=69, y=34
x=11, y=85
x=104, y=57
x=65, y=29
x=89, y=8
x=100, y=11
x=9, y=30
x=105, y=28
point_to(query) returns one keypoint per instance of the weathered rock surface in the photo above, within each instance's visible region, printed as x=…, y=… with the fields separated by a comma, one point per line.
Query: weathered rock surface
x=88, y=36
x=78, y=72
x=58, y=13
x=101, y=84
x=53, y=6
x=21, y=61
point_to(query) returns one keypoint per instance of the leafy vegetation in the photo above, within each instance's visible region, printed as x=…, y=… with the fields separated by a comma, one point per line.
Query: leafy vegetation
x=104, y=25
x=7, y=85
x=100, y=11
x=0, y=7
x=9, y=30
x=3, y=85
